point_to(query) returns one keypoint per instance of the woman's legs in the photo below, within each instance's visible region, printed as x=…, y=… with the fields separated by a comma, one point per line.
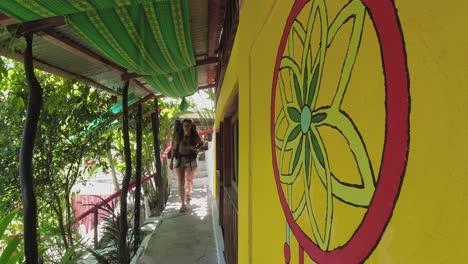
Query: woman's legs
x=190, y=173
x=181, y=176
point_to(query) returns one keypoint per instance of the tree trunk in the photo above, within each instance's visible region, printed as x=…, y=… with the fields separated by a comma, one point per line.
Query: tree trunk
x=115, y=181
x=136, y=229
x=157, y=155
x=26, y=157
x=122, y=248
x=69, y=224
x=58, y=211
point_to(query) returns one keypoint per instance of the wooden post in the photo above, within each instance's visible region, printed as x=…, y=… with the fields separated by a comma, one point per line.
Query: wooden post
x=26, y=157
x=157, y=155
x=122, y=247
x=96, y=228
x=136, y=230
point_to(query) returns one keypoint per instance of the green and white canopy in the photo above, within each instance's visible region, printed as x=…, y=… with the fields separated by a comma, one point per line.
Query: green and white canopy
x=151, y=38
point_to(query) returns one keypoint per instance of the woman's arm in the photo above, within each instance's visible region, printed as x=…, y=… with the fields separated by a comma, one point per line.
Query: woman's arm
x=201, y=145
x=171, y=165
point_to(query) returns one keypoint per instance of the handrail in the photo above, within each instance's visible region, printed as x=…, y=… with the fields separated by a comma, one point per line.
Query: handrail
x=116, y=194
x=110, y=198
x=209, y=131
x=131, y=186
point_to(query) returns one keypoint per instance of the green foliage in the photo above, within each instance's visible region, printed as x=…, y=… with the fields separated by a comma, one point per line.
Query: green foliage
x=10, y=252
x=72, y=254
x=9, y=42
x=61, y=148
x=184, y=105
x=63, y=143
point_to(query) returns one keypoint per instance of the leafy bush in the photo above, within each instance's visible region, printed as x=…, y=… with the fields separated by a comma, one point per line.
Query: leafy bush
x=11, y=251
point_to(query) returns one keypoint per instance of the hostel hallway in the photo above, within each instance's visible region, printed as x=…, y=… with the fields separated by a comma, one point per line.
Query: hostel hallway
x=185, y=238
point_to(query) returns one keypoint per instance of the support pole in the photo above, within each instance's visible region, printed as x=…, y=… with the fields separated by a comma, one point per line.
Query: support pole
x=136, y=229
x=96, y=228
x=122, y=247
x=158, y=180
x=26, y=157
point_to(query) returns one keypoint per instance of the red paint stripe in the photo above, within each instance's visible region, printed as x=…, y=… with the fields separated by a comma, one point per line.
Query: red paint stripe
x=301, y=255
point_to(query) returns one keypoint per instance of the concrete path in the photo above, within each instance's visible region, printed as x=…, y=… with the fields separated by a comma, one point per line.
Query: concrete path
x=184, y=238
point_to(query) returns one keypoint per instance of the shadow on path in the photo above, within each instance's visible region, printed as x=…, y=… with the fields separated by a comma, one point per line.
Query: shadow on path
x=182, y=238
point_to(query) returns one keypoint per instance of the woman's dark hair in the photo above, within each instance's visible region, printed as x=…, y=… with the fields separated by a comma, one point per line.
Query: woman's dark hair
x=177, y=127
x=193, y=131
x=178, y=132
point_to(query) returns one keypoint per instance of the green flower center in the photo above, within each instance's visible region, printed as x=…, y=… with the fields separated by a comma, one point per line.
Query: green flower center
x=306, y=119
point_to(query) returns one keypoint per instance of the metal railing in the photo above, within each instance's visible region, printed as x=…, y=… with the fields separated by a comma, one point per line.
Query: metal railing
x=95, y=207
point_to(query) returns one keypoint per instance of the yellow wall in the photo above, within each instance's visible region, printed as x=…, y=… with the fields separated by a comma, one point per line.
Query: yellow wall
x=428, y=221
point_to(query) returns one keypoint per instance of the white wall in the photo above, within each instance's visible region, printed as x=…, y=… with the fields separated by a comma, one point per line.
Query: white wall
x=209, y=157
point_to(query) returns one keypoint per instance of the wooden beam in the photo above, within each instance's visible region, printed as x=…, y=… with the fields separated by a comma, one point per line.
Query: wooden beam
x=142, y=86
x=71, y=46
x=64, y=73
x=207, y=86
x=141, y=101
x=65, y=43
x=118, y=116
x=148, y=113
x=215, y=24
x=133, y=75
x=6, y=20
x=130, y=75
x=40, y=25
x=207, y=61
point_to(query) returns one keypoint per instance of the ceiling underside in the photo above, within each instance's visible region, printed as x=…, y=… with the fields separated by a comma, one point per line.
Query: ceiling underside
x=60, y=49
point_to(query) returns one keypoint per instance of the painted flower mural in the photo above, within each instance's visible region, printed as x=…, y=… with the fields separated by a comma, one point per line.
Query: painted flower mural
x=299, y=151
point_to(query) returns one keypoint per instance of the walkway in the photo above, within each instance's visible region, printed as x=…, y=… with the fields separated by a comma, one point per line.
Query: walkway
x=184, y=238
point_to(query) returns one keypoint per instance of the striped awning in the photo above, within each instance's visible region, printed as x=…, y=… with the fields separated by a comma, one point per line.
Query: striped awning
x=149, y=37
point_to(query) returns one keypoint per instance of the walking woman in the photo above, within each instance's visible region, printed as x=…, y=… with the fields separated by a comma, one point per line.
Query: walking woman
x=185, y=149
x=176, y=135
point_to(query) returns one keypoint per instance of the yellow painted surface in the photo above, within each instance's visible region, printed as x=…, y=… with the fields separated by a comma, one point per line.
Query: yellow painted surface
x=428, y=222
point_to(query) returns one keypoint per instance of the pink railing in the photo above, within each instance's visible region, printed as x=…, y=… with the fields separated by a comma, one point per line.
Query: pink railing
x=110, y=198
x=95, y=208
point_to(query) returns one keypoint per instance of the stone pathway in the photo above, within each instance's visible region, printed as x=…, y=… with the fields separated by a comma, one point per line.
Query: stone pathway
x=184, y=238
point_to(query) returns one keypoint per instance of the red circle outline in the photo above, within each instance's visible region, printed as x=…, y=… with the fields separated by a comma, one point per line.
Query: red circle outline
x=368, y=234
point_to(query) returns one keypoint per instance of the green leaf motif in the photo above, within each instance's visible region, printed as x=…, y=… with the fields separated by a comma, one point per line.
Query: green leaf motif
x=313, y=86
x=294, y=114
x=307, y=158
x=294, y=133
x=317, y=118
x=298, y=153
x=317, y=150
x=305, y=84
x=298, y=91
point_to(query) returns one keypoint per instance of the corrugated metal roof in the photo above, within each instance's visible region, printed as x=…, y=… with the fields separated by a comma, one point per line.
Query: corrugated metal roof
x=70, y=62
x=65, y=60
x=73, y=35
x=199, y=26
x=203, y=75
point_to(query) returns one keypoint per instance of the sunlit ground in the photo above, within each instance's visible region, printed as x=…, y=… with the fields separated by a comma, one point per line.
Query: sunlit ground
x=198, y=205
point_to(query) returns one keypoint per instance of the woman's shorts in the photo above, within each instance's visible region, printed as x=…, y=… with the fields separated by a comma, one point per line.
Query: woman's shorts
x=188, y=165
